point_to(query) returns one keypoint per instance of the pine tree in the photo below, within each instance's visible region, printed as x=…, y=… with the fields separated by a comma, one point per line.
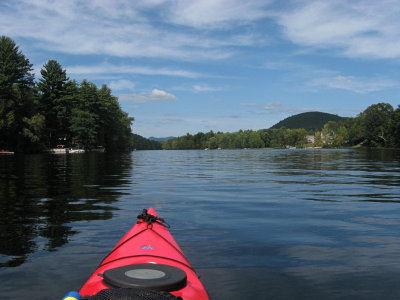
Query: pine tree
x=52, y=89
x=16, y=82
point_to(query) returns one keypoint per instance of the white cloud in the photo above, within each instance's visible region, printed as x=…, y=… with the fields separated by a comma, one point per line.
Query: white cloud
x=354, y=84
x=198, y=88
x=216, y=13
x=269, y=108
x=201, y=29
x=357, y=29
x=106, y=68
x=161, y=95
x=154, y=95
x=124, y=28
x=275, y=108
x=204, y=88
x=315, y=78
x=121, y=84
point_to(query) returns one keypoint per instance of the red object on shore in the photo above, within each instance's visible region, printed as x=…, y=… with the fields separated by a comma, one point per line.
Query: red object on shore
x=147, y=257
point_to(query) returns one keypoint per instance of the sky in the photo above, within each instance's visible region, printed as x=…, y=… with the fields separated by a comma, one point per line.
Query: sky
x=193, y=66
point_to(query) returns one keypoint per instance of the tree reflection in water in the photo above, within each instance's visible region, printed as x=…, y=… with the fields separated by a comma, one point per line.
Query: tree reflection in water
x=42, y=195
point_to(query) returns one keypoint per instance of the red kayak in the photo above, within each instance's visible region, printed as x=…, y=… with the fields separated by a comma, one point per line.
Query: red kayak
x=146, y=262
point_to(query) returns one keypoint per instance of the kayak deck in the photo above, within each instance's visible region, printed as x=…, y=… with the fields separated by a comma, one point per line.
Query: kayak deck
x=147, y=242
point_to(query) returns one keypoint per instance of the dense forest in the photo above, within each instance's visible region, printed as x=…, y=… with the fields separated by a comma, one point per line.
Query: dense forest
x=377, y=126
x=141, y=143
x=54, y=110
x=313, y=121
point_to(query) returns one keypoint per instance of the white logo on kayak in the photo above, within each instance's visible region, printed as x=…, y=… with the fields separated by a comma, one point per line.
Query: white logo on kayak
x=147, y=247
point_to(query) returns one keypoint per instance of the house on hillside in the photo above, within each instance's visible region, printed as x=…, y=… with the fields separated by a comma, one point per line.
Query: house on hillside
x=310, y=139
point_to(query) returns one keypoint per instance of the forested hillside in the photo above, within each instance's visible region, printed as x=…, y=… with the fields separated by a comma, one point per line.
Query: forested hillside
x=55, y=109
x=309, y=121
x=377, y=126
x=141, y=143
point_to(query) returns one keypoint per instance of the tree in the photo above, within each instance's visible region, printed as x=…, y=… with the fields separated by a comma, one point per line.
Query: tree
x=83, y=128
x=109, y=116
x=255, y=140
x=33, y=132
x=199, y=141
x=283, y=137
x=125, y=137
x=52, y=90
x=334, y=134
x=32, y=117
x=317, y=139
x=396, y=127
x=329, y=133
x=224, y=140
x=298, y=137
x=356, y=130
x=212, y=143
x=378, y=124
x=114, y=125
x=141, y=143
x=266, y=136
x=16, y=82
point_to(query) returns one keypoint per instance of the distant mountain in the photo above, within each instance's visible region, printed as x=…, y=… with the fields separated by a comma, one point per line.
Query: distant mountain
x=309, y=121
x=152, y=138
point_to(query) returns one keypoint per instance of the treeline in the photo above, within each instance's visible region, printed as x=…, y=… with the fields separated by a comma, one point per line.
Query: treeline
x=55, y=110
x=141, y=143
x=264, y=138
x=377, y=126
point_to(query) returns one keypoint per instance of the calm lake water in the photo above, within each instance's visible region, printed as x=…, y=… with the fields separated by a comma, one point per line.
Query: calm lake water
x=255, y=224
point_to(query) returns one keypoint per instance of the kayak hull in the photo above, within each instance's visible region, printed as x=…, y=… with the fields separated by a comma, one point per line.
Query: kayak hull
x=147, y=244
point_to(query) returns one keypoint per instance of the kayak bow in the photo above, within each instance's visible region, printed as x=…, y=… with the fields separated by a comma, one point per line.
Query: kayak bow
x=148, y=259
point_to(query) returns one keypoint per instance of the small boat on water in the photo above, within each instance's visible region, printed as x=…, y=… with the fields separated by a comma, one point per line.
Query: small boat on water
x=5, y=152
x=147, y=263
x=75, y=150
x=59, y=150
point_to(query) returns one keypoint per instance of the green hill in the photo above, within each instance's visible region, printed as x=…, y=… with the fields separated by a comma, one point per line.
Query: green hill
x=309, y=120
x=141, y=143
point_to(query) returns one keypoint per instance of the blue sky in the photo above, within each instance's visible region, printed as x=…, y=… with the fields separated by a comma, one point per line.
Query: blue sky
x=187, y=66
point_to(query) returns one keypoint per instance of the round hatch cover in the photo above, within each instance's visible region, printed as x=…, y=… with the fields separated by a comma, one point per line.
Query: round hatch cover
x=150, y=276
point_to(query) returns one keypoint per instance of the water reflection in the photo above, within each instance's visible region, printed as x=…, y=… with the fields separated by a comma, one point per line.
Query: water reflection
x=259, y=224
x=40, y=195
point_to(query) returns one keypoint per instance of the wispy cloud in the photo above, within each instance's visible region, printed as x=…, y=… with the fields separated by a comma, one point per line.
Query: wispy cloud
x=357, y=29
x=202, y=29
x=275, y=108
x=126, y=28
x=121, y=84
x=316, y=78
x=107, y=68
x=205, y=88
x=217, y=13
x=199, y=88
x=154, y=95
x=352, y=83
